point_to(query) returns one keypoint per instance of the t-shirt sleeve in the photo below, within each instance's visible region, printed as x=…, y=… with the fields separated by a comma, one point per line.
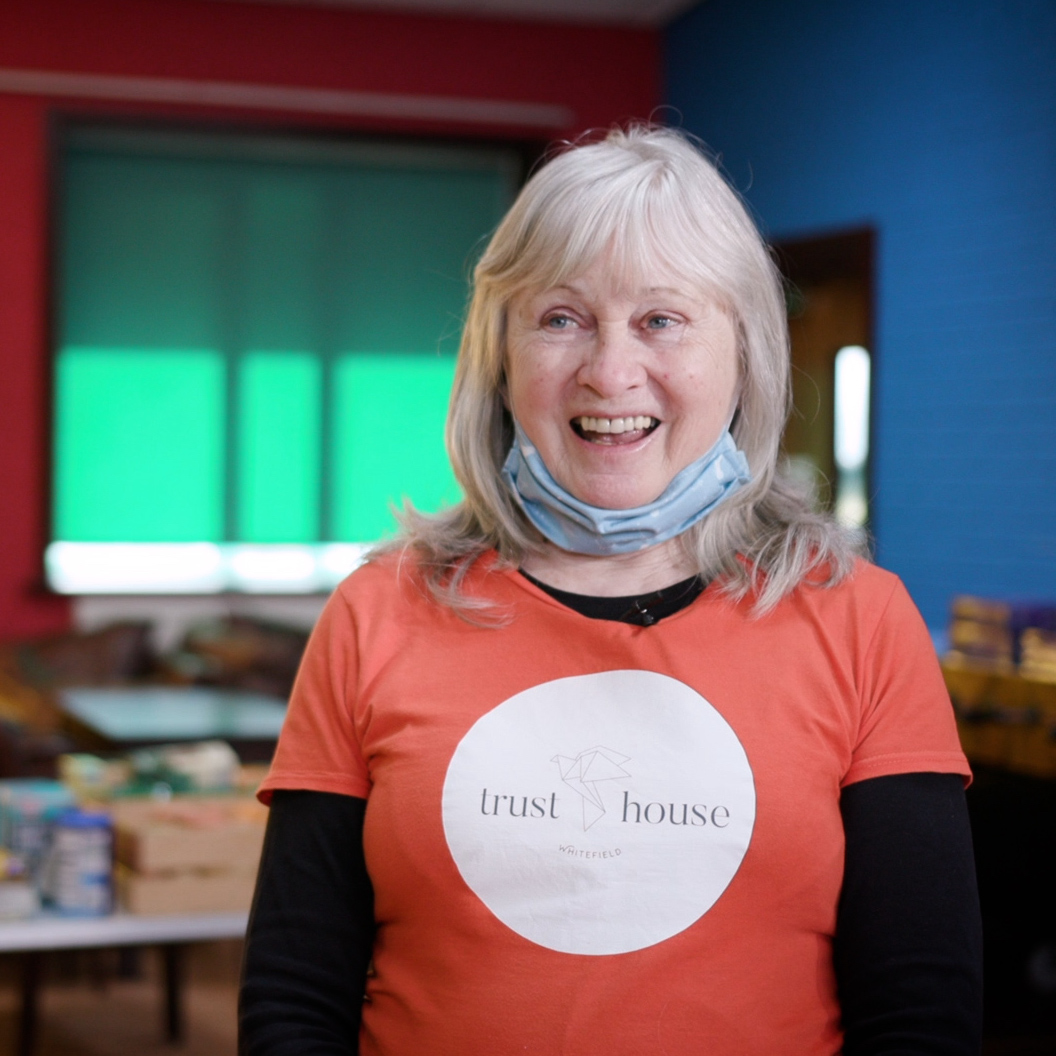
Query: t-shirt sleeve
x=318, y=748
x=906, y=722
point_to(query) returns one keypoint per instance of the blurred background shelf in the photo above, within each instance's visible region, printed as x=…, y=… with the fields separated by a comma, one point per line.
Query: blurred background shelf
x=1005, y=719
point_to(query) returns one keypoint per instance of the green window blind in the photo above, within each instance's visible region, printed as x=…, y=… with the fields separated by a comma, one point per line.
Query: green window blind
x=256, y=337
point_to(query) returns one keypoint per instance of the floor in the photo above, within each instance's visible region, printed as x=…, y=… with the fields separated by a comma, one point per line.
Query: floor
x=113, y=1016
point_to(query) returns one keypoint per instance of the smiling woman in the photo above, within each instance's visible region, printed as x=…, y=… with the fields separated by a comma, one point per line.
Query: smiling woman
x=628, y=752
x=590, y=360
x=629, y=281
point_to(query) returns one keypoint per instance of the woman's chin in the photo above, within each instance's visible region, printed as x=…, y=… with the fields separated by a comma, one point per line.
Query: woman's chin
x=614, y=496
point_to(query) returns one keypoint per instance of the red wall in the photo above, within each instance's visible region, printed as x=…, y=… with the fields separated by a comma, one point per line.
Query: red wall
x=600, y=74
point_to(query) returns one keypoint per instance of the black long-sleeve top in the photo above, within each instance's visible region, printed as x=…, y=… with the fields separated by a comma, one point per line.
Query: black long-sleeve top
x=907, y=952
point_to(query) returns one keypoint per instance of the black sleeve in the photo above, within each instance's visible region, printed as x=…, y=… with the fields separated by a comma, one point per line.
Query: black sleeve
x=311, y=930
x=908, y=951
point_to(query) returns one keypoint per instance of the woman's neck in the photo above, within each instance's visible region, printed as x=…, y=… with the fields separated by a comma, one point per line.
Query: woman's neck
x=617, y=576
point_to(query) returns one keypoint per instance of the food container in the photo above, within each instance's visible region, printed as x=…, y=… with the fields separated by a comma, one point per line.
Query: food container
x=27, y=806
x=78, y=871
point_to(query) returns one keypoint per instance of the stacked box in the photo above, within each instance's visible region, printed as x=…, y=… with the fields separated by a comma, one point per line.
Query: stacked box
x=981, y=630
x=192, y=855
x=1000, y=635
x=1038, y=654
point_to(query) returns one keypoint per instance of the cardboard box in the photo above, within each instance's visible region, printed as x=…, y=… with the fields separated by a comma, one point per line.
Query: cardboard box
x=188, y=892
x=191, y=834
x=194, y=854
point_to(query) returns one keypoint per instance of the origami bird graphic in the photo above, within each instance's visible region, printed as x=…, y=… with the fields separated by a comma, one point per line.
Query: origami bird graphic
x=583, y=773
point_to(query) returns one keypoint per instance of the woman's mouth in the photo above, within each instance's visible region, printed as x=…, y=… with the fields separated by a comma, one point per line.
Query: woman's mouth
x=614, y=430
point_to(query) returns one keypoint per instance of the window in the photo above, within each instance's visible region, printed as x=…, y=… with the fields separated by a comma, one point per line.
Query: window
x=256, y=344
x=851, y=444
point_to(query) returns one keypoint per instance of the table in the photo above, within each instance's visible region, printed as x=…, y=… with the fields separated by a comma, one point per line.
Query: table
x=120, y=718
x=34, y=937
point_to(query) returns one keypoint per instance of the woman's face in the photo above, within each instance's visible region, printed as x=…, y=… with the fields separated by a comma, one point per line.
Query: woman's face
x=620, y=385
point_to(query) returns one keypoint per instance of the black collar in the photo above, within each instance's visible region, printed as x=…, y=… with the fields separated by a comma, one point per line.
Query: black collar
x=641, y=609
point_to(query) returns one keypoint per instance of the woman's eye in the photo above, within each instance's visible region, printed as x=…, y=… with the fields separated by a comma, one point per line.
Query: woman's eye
x=558, y=322
x=659, y=322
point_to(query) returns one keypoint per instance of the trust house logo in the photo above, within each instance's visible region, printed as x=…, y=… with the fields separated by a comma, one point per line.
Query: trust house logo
x=599, y=850
x=585, y=772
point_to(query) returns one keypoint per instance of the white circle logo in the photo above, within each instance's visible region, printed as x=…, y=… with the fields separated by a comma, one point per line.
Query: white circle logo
x=602, y=813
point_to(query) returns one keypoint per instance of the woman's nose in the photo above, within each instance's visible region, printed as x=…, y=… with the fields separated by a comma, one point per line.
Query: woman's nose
x=613, y=362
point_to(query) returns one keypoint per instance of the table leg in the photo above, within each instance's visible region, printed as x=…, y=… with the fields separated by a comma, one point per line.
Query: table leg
x=173, y=957
x=27, y=1023
x=128, y=963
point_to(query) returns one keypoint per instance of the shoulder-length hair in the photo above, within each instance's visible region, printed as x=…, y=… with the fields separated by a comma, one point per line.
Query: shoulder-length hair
x=650, y=197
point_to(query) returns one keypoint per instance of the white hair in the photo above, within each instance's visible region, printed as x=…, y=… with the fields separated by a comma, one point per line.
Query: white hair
x=653, y=199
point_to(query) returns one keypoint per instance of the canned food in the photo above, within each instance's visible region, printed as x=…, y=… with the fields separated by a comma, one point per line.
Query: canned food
x=78, y=876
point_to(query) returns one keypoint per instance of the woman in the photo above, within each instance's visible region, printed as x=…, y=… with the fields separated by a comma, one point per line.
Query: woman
x=620, y=715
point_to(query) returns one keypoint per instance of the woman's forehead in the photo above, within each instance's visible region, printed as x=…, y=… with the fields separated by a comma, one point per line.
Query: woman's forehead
x=620, y=272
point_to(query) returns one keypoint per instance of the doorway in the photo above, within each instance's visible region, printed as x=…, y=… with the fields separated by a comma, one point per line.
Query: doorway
x=827, y=442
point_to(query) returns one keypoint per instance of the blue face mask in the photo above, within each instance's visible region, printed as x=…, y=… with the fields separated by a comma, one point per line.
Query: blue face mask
x=584, y=529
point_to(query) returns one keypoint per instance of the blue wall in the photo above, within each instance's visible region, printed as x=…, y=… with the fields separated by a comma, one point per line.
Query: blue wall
x=935, y=122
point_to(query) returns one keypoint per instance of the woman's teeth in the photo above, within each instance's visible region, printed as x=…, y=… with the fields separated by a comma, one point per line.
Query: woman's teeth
x=615, y=425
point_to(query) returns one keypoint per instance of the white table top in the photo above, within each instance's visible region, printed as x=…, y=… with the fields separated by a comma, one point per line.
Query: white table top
x=51, y=932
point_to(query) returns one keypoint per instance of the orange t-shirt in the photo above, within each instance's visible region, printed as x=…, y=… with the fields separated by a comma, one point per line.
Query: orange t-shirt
x=589, y=837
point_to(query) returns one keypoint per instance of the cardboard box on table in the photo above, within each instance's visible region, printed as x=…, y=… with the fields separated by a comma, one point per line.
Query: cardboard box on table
x=191, y=855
